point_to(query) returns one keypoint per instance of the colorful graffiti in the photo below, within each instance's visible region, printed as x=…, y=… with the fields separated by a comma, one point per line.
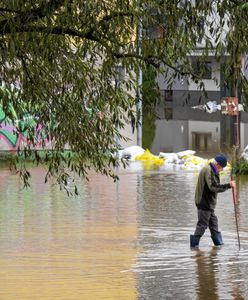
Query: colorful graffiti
x=13, y=134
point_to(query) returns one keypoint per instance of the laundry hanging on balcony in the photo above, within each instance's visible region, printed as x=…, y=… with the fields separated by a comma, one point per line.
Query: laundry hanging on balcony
x=212, y=106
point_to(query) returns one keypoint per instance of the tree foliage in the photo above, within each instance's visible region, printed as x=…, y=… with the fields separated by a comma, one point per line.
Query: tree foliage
x=66, y=56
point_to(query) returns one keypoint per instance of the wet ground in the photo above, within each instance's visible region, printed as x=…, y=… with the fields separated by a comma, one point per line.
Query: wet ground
x=124, y=240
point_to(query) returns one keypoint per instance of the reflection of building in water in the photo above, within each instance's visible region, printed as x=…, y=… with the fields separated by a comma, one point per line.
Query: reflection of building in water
x=110, y=230
x=59, y=247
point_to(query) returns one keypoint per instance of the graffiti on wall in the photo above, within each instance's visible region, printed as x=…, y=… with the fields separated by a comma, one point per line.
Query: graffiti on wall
x=13, y=134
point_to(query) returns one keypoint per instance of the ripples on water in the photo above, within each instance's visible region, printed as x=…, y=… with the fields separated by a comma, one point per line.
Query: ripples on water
x=124, y=240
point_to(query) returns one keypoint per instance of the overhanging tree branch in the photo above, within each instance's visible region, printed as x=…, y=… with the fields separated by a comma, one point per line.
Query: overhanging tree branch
x=38, y=43
x=25, y=17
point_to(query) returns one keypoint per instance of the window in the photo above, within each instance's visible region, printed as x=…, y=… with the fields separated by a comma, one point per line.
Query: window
x=203, y=69
x=168, y=113
x=166, y=103
x=167, y=96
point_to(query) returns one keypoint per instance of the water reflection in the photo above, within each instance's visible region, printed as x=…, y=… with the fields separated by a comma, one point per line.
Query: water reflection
x=207, y=274
x=124, y=240
x=219, y=278
x=55, y=247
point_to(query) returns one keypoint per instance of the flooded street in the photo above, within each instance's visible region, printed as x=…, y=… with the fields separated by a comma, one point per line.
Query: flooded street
x=125, y=240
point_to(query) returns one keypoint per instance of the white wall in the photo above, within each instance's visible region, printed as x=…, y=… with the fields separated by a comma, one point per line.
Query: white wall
x=132, y=136
x=243, y=136
x=170, y=136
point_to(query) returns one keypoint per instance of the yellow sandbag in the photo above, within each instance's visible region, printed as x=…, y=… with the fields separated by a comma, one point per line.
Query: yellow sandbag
x=189, y=156
x=196, y=160
x=148, y=156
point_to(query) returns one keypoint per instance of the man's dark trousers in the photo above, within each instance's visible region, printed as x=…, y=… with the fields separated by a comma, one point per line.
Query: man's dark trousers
x=206, y=218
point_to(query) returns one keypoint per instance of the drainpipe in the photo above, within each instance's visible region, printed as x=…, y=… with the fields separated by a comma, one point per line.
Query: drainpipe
x=139, y=93
x=237, y=124
x=237, y=121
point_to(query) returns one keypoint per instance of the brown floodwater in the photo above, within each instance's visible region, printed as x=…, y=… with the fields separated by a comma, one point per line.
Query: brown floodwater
x=124, y=240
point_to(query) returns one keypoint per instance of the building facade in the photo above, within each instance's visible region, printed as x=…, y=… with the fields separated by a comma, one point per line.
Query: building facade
x=179, y=126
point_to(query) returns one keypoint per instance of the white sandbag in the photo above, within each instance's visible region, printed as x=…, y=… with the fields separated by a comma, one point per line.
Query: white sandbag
x=186, y=152
x=132, y=151
x=170, y=160
x=178, y=161
x=168, y=155
x=245, y=153
x=120, y=154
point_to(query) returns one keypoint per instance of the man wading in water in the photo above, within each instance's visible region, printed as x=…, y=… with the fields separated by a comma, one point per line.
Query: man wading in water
x=208, y=186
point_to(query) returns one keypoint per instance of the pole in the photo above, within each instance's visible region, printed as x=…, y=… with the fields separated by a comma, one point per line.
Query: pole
x=139, y=94
x=235, y=211
x=237, y=147
x=236, y=218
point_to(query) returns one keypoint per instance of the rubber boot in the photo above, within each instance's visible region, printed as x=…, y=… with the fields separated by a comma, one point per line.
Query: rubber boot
x=217, y=239
x=194, y=241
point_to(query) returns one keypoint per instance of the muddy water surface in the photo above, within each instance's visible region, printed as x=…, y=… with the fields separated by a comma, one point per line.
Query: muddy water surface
x=124, y=240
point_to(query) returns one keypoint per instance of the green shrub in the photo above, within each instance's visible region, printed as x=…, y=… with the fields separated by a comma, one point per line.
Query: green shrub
x=241, y=166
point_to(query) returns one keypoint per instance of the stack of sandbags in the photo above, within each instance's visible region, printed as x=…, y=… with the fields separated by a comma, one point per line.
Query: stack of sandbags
x=193, y=162
x=170, y=158
x=147, y=156
x=186, y=160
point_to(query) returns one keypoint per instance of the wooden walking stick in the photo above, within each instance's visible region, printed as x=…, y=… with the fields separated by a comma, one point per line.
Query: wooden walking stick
x=235, y=211
x=234, y=204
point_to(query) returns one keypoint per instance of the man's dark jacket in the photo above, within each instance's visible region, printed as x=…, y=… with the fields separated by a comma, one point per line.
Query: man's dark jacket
x=208, y=186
